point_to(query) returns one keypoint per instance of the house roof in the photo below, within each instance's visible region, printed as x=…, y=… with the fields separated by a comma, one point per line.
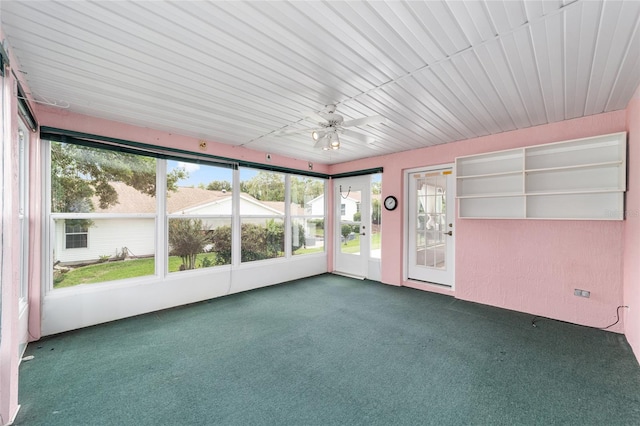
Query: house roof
x=130, y=200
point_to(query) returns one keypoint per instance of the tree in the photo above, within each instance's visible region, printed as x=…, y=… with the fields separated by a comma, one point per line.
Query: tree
x=219, y=185
x=265, y=186
x=375, y=211
x=299, y=236
x=187, y=238
x=304, y=189
x=78, y=173
x=345, y=230
x=221, y=244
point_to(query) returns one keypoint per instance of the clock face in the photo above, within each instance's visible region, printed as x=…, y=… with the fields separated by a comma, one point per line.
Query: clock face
x=390, y=202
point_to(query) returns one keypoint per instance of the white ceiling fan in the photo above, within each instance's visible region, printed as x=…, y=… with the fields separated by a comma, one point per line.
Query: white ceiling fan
x=331, y=125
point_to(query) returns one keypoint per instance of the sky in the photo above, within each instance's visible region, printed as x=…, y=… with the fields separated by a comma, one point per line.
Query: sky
x=200, y=173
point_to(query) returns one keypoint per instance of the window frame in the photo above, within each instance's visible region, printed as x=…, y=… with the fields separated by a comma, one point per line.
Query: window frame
x=84, y=231
x=161, y=217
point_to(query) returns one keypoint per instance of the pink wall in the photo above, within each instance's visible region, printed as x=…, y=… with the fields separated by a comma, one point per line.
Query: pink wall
x=64, y=119
x=632, y=229
x=526, y=265
x=9, y=265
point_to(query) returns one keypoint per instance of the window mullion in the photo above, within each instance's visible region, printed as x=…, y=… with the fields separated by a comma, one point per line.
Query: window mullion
x=236, y=252
x=287, y=217
x=161, y=218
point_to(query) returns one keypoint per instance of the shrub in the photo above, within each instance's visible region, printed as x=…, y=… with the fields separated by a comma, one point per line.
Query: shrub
x=187, y=238
x=345, y=230
x=221, y=242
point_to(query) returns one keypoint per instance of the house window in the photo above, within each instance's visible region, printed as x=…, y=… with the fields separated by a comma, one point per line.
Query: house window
x=343, y=209
x=76, y=234
x=357, y=207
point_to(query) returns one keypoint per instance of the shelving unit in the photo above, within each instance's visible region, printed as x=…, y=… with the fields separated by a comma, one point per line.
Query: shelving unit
x=577, y=179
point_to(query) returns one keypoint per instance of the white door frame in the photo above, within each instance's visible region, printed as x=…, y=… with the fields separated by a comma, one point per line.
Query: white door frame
x=353, y=265
x=451, y=204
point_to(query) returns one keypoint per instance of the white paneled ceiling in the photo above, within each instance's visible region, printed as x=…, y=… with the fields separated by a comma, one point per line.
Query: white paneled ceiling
x=242, y=72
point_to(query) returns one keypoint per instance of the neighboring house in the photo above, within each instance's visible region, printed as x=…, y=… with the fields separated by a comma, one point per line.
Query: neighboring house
x=349, y=205
x=76, y=242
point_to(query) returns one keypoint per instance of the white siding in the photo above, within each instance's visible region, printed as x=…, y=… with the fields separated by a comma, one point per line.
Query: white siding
x=107, y=237
x=351, y=207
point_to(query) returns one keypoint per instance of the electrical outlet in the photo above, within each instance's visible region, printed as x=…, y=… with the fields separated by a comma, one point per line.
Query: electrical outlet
x=581, y=293
x=310, y=165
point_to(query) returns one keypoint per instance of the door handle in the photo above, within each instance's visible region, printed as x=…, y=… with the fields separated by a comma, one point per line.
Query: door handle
x=450, y=233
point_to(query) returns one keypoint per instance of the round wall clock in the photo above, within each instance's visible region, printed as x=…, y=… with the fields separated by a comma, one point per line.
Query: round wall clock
x=390, y=203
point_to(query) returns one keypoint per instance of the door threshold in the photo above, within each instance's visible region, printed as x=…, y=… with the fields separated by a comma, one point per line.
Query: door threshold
x=344, y=274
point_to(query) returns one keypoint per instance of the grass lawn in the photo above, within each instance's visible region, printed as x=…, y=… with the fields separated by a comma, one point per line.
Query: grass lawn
x=308, y=250
x=353, y=246
x=112, y=271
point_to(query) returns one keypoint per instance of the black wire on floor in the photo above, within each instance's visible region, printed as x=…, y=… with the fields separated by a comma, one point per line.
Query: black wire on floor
x=537, y=317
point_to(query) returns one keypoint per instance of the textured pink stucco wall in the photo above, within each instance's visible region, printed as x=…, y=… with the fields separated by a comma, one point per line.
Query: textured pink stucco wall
x=632, y=230
x=64, y=119
x=526, y=265
x=10, y=283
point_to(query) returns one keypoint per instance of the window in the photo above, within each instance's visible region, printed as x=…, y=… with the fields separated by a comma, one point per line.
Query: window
x=206, y=222
x=262, y=214
x=76, y=234
x=307, y=214
x=376, y=215
x=199, y=207
x=343, y=209
x=112, y=195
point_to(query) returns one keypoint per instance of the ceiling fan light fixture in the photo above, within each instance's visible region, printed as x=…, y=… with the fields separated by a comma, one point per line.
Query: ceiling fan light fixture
x=317, y=135
x=335, y=143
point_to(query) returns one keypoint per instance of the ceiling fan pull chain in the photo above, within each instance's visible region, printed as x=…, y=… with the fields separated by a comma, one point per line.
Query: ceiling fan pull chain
x=348, y=192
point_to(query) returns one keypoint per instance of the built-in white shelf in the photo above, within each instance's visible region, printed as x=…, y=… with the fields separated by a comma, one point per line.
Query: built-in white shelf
x=577, y=179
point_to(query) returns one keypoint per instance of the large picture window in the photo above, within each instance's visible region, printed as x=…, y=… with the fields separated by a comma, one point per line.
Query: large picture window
x=117, y=215
x=107, y=198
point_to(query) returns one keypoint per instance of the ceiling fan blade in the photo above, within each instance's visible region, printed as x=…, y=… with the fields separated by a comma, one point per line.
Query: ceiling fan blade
x=358, y=136
x=320, y=143
x=374, y=119
x=295, y=131
x=316, y=117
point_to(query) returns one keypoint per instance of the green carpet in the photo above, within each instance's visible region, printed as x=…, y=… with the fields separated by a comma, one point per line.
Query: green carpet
x=330, y=350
